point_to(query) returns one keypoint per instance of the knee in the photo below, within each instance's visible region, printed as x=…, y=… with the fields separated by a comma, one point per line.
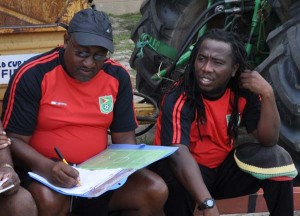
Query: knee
x=157, y=189
x=19, y=203
x=49, y=202
x=27, y=203
x=52, y=205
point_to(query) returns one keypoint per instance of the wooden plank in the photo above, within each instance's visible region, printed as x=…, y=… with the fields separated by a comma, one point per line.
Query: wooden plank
x=144, y=109
x=15, y=13
x=31, y=42
x=2, y=90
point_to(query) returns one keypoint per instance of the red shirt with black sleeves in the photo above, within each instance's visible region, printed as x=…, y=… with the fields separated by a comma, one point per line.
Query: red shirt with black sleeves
x=177, y=125
x=44, y=102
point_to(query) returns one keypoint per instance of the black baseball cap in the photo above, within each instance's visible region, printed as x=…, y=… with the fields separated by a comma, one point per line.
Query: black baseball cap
x=92, y=28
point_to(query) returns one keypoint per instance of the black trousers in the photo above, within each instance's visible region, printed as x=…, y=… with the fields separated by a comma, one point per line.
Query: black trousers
x=226, y=181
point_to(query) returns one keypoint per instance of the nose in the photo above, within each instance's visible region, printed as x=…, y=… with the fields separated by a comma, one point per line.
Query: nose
x=89, y=61
x=207, y=66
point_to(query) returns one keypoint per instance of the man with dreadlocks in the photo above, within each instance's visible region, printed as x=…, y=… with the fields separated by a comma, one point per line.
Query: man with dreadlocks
x=201, y=114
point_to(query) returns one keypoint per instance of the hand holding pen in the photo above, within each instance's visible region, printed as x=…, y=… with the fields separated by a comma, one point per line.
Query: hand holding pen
x=64, y=174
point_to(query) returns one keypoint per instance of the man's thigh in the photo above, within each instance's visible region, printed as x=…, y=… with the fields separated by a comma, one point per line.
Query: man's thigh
x=19, y=203
x=228, y=180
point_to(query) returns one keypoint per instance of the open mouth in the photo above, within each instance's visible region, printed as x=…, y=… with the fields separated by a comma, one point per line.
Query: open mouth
x=205, y=81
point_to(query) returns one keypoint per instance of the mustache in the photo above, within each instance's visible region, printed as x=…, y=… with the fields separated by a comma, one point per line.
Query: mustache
x=82, y=68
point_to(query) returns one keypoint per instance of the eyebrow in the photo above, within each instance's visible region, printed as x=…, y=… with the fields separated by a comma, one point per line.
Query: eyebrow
x=213, y=58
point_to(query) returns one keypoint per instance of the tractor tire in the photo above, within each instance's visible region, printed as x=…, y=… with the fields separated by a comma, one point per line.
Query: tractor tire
x=185, y=23
x=282, y=70
x=159, y=18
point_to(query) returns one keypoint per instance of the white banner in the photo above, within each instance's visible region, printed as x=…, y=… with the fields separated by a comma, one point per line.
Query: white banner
x=9, y=64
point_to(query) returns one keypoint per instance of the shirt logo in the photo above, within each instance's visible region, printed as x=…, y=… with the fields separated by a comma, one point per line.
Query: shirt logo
x=58, y=103
x=106, y=104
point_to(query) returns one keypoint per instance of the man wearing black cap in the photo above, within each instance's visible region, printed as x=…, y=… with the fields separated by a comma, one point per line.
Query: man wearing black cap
x=68, y=98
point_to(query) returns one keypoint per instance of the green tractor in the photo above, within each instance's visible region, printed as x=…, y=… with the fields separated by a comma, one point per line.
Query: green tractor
x=165, y=35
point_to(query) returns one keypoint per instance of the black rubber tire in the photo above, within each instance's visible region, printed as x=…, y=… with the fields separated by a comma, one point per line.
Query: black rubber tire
x=185, y=21
x=159, y=18
x=282, y=70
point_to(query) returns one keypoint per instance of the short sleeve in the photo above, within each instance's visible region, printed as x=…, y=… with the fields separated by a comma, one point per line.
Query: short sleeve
x=176, y=118
x=21, y=101
x=124, y=115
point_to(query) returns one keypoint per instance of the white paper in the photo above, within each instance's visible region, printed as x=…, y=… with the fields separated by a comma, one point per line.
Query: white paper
x=89, y=180
x=7, y=188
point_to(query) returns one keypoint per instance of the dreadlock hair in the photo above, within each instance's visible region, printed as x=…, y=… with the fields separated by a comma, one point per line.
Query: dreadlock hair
x=192, y=90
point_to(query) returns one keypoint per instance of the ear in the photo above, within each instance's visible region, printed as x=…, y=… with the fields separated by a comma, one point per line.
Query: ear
x=234, y=69
x=66, y=39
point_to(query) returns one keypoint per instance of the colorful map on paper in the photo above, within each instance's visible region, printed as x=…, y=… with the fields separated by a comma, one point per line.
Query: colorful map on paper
x=128, y=156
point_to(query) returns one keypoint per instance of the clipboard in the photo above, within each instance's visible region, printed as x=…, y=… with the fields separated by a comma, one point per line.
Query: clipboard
x=110, y=169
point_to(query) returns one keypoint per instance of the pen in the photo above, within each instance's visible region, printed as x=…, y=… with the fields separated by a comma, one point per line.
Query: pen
x=63, y=159
x=60, y=155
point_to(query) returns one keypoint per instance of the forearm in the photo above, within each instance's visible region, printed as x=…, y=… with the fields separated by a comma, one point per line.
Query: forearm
x=5, y=157
x=28, y=158
x=269, y=123
x=267, y=131
x=188, y=173
x=7, y=170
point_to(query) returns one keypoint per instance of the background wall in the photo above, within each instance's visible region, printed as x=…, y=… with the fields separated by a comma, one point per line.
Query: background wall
x=118, y=7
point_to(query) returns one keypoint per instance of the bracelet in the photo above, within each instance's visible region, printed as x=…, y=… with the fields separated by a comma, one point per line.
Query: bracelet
x=7, y=166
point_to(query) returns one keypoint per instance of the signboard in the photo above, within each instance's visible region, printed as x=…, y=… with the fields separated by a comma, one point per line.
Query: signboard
x=9, y=64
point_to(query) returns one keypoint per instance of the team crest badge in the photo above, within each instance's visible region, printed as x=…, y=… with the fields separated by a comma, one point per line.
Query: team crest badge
x=106, y=104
